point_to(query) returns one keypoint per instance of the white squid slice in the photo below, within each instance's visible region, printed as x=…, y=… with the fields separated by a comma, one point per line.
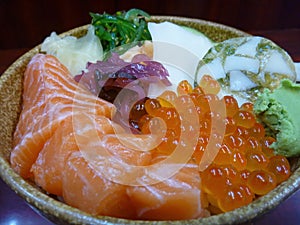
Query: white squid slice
x=297, y=67
x=277, y=64
x=233, y=63
x=240, y=82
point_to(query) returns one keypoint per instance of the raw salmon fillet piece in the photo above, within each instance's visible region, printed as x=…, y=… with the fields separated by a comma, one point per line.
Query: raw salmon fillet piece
x=49, y=166
x=175, y=198
x=93, y=193
x=50, y=96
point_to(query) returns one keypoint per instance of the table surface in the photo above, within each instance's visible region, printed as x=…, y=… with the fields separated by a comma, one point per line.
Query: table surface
x=15, y=211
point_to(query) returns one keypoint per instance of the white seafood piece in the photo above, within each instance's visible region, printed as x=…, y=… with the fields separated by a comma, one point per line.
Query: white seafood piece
x=179, y=49
x=242, y=63
x=246, y=65
x=297, y=67
x=239, y=81
x=189, y=39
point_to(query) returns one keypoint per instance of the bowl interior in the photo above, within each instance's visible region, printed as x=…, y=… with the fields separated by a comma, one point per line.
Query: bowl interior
x=10, y=101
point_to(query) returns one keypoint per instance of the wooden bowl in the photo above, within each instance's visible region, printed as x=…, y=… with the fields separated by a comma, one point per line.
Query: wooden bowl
x=60, y=213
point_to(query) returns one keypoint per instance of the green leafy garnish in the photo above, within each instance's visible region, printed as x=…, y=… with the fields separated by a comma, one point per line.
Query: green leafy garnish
x=123, y=28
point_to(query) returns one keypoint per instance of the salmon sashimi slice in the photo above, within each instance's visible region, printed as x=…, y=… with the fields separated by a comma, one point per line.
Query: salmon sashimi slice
x=84, y=189
x=92, y=189
x=175, y=198
x=51, y=160
x=50, y=96
x=50, y=164
x=92, y=192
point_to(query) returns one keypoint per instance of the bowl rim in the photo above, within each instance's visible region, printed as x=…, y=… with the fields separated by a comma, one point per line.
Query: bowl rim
x=49, y=206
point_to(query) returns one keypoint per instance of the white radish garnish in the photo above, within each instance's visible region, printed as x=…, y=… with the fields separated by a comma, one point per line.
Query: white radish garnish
x=244, y=66
x=179, y=49
x=167, y=32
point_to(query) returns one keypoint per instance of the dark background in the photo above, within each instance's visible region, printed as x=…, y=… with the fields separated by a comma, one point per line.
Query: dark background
x=25, y=23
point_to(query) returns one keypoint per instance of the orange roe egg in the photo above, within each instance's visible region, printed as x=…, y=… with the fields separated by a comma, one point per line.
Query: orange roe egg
x=235, y=196
x=194, y=97
x=279, y=166
x=253, y=144
x=261, y=181
x=256, y=160
x=207, y=102
x=154, y=126
x=231, y=173
x=224, y=155
x=247, y=106
x=137, y=111
x=235, y=142
x=184, y=101
x=198, y=90
x=242, y=131
x=257, y=131
x=200, y=148
x=168, y=143
x=209, y=85
x=231, y=105
x=202, y=142
x=214, y=180
x=169, y=115
x=230, y=126
x=184, y=87
x=266, y=142
x=144, y=120
x=244, y=118
x=213, y=201
x=167, y=98
x=238, y=160
x=244, y=174
x=205, y=126
x=151, y=105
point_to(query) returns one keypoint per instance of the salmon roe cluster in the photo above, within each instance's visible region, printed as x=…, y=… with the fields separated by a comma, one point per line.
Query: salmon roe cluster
x=245, y=166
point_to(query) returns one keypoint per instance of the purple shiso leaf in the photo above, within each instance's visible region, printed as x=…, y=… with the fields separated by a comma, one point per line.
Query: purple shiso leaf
x=115, y=72
x=111, y=66
x=123, y=83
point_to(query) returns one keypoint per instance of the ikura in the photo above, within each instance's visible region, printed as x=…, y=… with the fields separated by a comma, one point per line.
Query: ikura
x=261, y=181
x=231, y=105
x=244, y=166
x=279, y=166
x=209, y=85
x=184, y=87
x=235, y=196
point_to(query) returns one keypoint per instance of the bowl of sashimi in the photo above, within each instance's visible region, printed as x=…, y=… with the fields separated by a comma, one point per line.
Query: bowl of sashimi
x=138, y=120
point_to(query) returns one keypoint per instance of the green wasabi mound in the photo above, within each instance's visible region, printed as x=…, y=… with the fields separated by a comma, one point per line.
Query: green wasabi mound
x=279, y=111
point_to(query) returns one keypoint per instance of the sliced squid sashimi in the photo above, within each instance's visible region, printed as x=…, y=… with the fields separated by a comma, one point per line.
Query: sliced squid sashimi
x=246, y=65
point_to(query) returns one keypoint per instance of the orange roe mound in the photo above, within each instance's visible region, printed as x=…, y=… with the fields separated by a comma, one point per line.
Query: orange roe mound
x=244, y=167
